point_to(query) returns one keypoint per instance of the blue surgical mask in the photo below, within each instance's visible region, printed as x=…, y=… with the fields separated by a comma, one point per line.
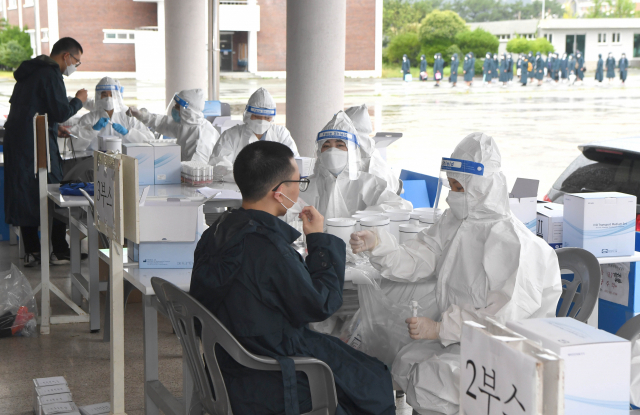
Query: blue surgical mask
x=175, y=114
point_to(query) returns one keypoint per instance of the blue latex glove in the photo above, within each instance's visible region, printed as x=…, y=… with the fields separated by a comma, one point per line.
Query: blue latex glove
x=102, y=122
x=120, y=129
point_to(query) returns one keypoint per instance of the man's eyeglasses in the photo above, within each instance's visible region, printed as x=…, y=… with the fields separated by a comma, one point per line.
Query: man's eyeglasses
x=77, y=60
x=304, y=184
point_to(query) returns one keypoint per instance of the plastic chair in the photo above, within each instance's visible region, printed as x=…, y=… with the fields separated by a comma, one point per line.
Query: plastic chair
x=587, y=275
x=184, y=310
x=630, y=329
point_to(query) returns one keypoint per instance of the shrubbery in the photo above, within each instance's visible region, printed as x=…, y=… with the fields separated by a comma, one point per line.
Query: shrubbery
x=15, y=46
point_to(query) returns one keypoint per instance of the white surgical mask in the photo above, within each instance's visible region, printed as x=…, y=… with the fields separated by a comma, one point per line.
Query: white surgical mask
x=70, y=69
x=297, y=207
x=105, y=103
x=259, y=126
x=457, y=204
x=334, y=160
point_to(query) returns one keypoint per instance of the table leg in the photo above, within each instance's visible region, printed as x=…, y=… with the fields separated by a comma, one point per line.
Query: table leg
x=45, y=300
x=150, y=321
x=74, y=239
x=116, y=278
x=94, y=274
x=13, y=235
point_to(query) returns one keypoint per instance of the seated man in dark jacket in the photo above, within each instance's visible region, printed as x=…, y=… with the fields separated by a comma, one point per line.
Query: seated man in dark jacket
x=248, y=275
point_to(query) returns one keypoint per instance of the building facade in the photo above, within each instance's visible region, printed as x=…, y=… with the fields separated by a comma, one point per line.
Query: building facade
x=126, y=37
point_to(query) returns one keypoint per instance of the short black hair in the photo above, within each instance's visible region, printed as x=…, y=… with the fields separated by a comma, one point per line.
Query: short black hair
x=260, y=166
x=66, y=44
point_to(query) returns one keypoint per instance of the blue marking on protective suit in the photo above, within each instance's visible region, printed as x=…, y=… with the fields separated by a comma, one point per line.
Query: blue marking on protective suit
x=339, y=135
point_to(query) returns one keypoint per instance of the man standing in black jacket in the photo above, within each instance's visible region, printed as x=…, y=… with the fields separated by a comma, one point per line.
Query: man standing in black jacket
x=39, y=89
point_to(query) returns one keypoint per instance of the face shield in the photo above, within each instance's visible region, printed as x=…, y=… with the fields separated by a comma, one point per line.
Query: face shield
x=109, y=96
x=177, y=110
x=455, y=175
x=265, y=117
x=334, y=158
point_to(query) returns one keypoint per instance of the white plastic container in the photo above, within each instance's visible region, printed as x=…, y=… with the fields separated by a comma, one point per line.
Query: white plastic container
x=341, y=227
x=409, y=231
x=397, y=217
x=369, y=212
x=113, y=144
x=358, y=217
x=415, y=217
x=429, y=212
x=370, y=223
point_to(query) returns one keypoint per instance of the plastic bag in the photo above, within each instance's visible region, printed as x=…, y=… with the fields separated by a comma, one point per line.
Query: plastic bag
x=18, y=309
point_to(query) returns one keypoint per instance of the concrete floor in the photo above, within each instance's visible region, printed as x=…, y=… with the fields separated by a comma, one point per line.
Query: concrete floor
x=537, y=128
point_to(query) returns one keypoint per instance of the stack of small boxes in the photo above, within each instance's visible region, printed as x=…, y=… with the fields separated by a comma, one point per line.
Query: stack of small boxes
x=52, y=397
x=158, y=161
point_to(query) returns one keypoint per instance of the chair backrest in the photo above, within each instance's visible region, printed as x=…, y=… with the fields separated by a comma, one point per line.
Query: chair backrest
x=580, y=295
x=184, y=311
x=631, y=329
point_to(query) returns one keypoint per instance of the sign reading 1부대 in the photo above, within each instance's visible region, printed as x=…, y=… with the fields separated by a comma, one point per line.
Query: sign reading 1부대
x=108, y=195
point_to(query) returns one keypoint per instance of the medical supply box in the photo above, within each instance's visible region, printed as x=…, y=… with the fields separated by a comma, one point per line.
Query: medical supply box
x=96, y=409
x=549, y=223
x=66, y=408
x=523, y=201
x=602, y=223
x=597, y=364
x=48, y=391
x=143, y=152
x=305, y=165
x=166, y=162
x=169, y=232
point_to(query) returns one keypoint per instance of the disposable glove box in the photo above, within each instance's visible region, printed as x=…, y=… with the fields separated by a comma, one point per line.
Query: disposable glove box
x=68, y=408
x=550, y=220
x=169, y=233
x=305, y=165
x=597, y=364
x=166, y=162
x=96, y=409
x=602, y=223
x=39, y=392
x=143, y=152
x=50, y=399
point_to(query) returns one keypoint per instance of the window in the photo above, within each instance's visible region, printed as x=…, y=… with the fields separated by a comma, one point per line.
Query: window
x=615, y=37
x=549, y=37
x=503, y=37
x=13, y=4
x=28, y=3
x=636, y=45
x=118, y=36
x=602, y=38
x=44, y=35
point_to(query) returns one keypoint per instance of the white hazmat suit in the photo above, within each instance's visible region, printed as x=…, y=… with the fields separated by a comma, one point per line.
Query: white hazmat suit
x=483, y=262
x=185, y=122
x=372, y=162
x=239, y=136
x=95, y=123
x=335, y=189
x=635, y=371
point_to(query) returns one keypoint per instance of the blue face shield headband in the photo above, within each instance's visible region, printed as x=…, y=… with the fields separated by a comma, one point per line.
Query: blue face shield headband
x=264, y=112
x=462, y=166
x=181, y=102
x=107, y=88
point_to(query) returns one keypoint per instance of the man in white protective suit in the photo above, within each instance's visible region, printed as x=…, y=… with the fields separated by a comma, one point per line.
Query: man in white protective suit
x=259, y=125
x=337, y=188
x=372, y=161
x=107, y=118
x=184, y=121
x=485, y=263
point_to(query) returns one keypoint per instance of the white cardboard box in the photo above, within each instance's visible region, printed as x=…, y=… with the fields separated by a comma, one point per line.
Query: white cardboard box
x=49, y=399
x=48, y=390
x=52, y=381
x=597, y=364
x=69, y=408
x=550, y=220
x=166, y=162
x=524, y=209
x=96, y=409
x=169, y=233
x=602, y=223
x=143, y=152
x=305, y=165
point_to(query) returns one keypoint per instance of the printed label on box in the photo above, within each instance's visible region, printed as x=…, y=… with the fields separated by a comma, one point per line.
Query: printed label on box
x=614, y=285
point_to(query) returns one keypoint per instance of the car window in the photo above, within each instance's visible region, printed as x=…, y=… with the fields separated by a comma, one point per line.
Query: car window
x=615, y=174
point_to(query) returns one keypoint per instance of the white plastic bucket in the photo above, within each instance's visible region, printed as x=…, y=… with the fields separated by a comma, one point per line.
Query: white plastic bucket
x=429, y=214
x=341, y=227
x=358, y=217
x=113, y=144
x=370, y=223
x=397, y=217
x=408, y=232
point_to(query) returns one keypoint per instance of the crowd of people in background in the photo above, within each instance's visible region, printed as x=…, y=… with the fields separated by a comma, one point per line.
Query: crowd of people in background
x=529, y=68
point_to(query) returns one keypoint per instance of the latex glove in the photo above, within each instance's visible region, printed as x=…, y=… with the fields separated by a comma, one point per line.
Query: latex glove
x=363, y=241
x=312, y=220
x=423, y=328
x=119, y=128
x=102, y=122
x=142, y=114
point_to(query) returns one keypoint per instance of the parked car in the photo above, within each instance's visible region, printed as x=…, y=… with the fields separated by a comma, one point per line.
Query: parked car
x=603, y=166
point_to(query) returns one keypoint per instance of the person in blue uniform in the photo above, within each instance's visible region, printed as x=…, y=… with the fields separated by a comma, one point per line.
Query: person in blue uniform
x=39, y=89
x=611, y=67
x=487, y=69
x=531, y=68
x=453, y=76
x=539, y=70
x=468, y=68
x=510, y=67
x=438, y=68
x=262, y=290
x=564, y=66
x=406, y=67
x=524, y=70
x=423, y=68
x=496, y=67
x=504, y=67
x=555, y=68
x=571, y=68
x=623, y=64
x=600, y=69
x=580, y=66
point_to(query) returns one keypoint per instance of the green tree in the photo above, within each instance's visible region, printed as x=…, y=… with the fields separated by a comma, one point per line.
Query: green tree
x=405, y=43
x=438, y=31
x=480, y=10
x=596, y=12
x=522, y=45
x=621, y=8
x=12, y=54
x=518, y=45
x=396, y=14
x=541, y=45
x=478, y=41
x=15, y=33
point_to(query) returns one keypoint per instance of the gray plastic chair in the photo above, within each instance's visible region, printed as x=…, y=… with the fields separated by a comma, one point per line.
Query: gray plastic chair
x=587, y=274
x=184, y=310
x=400, y=186
x=631, y=329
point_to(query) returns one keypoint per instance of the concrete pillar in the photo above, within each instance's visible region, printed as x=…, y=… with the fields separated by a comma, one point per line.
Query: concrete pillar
x=252, y=45
x=185, y=46
x=213, y=50
x=315, y=67
x=52, y=21
x=38, y=32
x=20, y=22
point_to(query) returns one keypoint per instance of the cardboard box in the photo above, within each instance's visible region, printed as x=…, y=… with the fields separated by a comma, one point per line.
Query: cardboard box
x=52, y=381
x=169, y=233
x=166, y=162
x=602, y=223
x=306, y=165
x=549, y=225
x=47, y=390
x=523, y=201
x=68, y=408
x=96, y=409
x=49, y=399
x=143, y=152
x=597, y=364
